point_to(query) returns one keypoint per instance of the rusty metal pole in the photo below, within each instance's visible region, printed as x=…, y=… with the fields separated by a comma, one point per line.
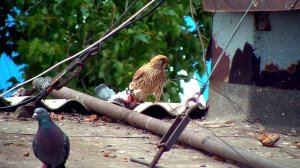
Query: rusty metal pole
x=199, y=141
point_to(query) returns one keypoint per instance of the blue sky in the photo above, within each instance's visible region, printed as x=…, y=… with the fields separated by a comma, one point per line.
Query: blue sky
x=191, y=87
x=8, y=67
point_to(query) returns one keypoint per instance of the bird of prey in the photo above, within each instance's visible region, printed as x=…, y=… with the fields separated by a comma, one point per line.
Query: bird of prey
x=149, y=79
x=50, y=144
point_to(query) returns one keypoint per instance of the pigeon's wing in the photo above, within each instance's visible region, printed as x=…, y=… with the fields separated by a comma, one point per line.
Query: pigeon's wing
x=34, y=147
x=66, y=147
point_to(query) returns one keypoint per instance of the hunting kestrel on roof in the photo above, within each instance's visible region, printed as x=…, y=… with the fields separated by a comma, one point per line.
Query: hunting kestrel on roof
x=149, y=79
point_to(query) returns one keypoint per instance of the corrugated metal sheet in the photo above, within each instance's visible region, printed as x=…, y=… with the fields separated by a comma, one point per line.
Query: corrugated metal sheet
x=242, y=5
x=156, y=110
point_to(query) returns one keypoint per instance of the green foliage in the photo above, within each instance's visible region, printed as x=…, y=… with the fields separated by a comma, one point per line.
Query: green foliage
x=57, y=29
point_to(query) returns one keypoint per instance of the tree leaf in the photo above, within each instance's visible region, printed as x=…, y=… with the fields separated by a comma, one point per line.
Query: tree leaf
x=142, y=38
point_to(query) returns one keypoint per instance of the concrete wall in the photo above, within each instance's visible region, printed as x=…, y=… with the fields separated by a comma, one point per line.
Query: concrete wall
x=260, y=69
x=281, y=45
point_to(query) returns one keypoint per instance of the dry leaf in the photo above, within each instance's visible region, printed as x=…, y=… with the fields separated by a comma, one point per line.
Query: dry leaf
x=297, y=144
x=20, y=145
x=8, y=143
x=268, y=139
x=26, y=154
x=57, y=117
x=92, y=118
x=87, y=120
x=219, y=158
x=106, y=154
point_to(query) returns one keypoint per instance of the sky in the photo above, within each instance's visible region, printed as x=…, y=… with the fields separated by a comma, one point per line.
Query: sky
x=193, y=86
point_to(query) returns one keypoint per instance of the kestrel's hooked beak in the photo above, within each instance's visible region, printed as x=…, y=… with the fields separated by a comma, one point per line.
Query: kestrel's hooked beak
x=166, y=61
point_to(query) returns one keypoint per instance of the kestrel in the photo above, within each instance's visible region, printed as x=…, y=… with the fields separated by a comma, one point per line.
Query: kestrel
x=149, y=79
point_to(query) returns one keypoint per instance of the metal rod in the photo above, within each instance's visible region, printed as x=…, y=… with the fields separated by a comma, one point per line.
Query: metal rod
x=157, y=157
x=143, y=162
x=199, y=141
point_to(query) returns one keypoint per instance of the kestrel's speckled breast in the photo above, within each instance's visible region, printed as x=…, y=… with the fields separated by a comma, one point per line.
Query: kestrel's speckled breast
x=151, y=79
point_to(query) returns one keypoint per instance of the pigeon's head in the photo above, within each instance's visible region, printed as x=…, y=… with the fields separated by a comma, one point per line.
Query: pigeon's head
x=40, y=113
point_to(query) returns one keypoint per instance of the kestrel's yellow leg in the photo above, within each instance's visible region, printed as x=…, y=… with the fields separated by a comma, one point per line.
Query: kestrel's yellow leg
x=158, y=92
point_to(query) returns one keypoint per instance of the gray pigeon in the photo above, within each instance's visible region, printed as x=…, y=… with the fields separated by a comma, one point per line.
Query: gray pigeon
x=50, y=144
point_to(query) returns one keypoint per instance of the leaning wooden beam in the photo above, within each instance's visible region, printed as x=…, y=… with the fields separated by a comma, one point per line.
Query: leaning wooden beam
x=199, y=141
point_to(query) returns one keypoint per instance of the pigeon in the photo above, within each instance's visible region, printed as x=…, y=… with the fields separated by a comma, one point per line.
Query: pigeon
x=50, y=144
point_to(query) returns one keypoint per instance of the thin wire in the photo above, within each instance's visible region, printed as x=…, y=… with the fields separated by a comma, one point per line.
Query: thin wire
x=217, y=62
x=293, y=7
x=149, y=12
x=199, y=35
x=119, y=19
x=221, y=55
x=219, y=137
x=22, y=14
x=209, y=130
x=239, y=108
x=84, y=50
x=230, y=39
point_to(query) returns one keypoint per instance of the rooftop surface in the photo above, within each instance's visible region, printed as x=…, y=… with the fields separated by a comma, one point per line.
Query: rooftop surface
x=108, y=143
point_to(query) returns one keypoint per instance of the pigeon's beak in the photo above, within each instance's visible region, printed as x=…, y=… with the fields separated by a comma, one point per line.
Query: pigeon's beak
x=34, y=115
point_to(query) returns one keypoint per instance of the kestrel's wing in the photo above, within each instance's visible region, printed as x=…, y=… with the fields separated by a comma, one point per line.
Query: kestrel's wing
x=138, y=76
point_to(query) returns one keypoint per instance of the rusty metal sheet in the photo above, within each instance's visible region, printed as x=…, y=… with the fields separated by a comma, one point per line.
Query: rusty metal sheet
x=242, y=5
x=222, y=71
